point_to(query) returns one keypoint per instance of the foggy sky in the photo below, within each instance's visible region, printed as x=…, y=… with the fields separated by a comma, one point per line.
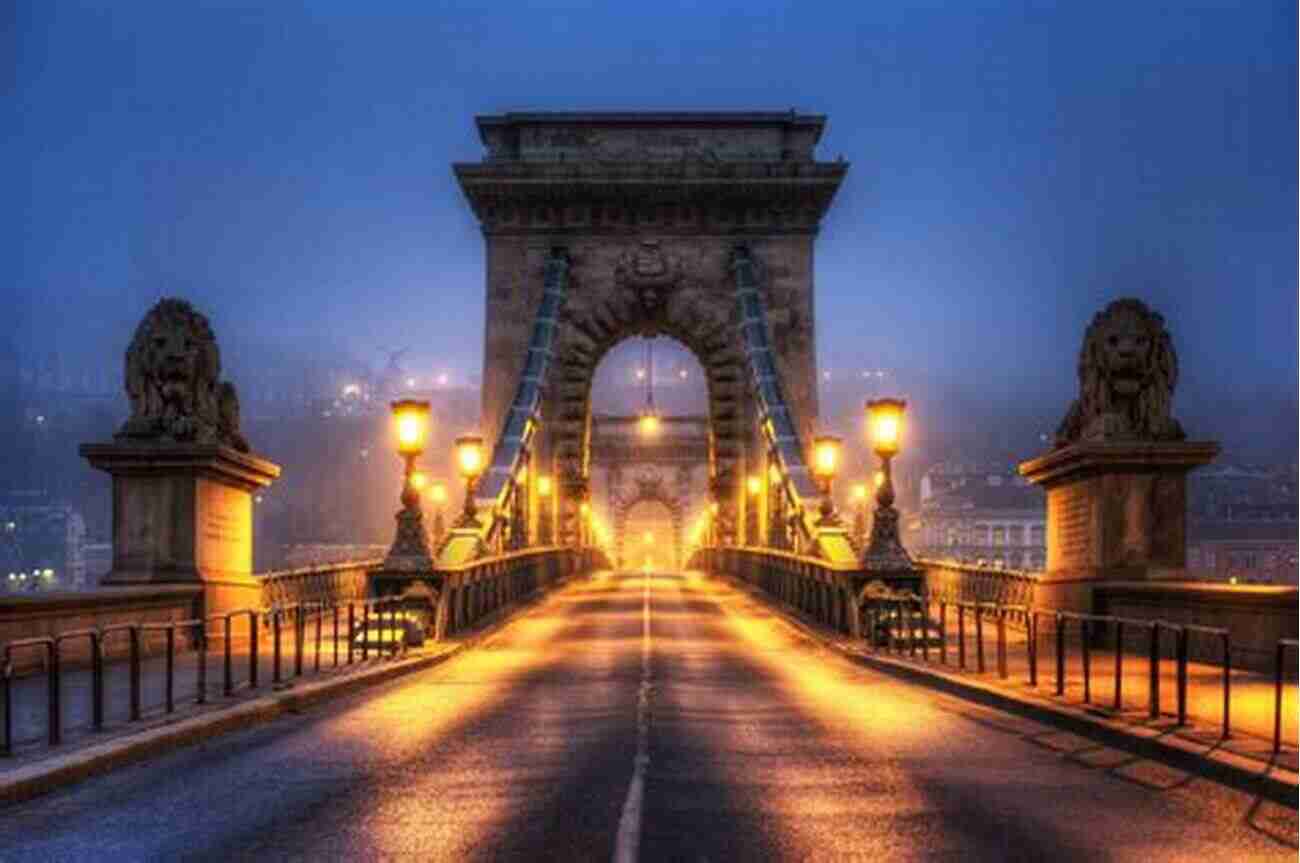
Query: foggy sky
x=1014, y=167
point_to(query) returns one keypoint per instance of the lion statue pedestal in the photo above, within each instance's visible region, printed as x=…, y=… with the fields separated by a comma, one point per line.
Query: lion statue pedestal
x=183, y=478
x=1117, y=480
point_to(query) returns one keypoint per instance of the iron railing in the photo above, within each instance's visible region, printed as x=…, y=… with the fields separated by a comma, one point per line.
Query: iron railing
x=1077, y=645
x=349, y=623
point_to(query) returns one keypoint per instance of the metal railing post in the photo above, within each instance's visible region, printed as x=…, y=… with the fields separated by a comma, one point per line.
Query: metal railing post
x=961, y=635
x=1031, y=625
x=171, y=667
x=134, y=632
x=943, y=632
x=365, y=628
x=275, y=649
x=56, y=714
x=1084, y=627
x=1227, y=685
x=1153, y=673
x=334, y=633
x=1002, y=643
x=320, y=614
x=979, y=637
x=299, y=639
x=1182, y=675
x=925, y=628
x=8, y=699
x=97, y=681
x=227, y=667
x=1060, y=654
x=201, y=649
x=1279, y=664
x=1119, y=666
x=351, y=628
x=252, y=648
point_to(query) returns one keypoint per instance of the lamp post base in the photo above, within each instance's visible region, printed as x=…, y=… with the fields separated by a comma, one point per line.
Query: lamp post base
x=410, y=549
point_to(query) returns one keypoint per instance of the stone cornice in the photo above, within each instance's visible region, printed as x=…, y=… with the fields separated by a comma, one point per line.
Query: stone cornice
x=1090, y=459
x=697, y=198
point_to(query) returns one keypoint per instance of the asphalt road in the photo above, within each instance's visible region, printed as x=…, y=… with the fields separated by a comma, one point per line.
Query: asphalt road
x=662, y=717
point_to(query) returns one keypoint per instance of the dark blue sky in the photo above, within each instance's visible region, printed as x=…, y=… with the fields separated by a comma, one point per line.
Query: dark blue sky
x=1015, y=166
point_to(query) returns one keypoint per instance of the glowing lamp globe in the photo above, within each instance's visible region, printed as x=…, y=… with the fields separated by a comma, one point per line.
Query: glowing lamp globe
x=885, y=425
x=544, y=486
x=648, y=424
x=860, y=491
x=469, y=455
x=419, y=479
x=826, y=456
x=754, y=485
x=411, y=422
x=438, y=492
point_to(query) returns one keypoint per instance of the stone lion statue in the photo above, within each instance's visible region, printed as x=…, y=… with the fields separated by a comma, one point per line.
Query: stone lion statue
x=173, y=371
x=1127, y=373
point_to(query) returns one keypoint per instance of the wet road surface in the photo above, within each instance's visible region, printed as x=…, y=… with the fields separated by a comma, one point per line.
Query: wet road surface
x=737, y=737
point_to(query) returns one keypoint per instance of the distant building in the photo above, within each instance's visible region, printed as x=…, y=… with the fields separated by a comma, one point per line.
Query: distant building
x=1213, y=490
x=980, y=514
x=42, y=547
x=1247, y=544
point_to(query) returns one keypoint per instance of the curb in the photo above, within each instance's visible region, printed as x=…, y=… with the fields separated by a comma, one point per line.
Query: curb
x=58, y=771
x=1208, y=761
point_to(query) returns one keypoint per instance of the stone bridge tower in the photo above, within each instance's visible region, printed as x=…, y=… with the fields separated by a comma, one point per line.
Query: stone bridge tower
x=649, y=207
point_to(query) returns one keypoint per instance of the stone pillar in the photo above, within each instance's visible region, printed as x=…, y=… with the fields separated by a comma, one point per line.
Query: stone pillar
x=1116, y=511
x=184, y=515
x=1116, y=480
x=183, y=475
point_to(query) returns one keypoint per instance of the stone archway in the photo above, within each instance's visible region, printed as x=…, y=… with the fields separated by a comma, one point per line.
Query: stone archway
x=650, y=488
x=649, y=209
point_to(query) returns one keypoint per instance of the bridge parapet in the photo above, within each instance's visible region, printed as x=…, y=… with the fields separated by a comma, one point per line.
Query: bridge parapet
x=953, y=581
x=831, y=592
x=460, y=596
x=330, y=583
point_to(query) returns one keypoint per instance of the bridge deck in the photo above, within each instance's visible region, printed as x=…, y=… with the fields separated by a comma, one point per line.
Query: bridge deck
x=759, y=747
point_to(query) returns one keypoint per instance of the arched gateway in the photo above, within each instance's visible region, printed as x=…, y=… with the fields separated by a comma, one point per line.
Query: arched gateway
x=603, y=226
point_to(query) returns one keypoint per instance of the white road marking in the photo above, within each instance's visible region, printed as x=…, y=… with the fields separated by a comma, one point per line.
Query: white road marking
x=628, y=845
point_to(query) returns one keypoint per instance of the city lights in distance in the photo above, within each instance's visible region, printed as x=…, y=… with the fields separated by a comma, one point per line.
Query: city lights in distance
x=640, y=374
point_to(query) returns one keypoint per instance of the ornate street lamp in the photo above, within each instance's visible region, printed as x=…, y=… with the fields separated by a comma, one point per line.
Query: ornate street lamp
x=885, y=427
x=469, y=459
x=410, y=548
x=826, y=462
